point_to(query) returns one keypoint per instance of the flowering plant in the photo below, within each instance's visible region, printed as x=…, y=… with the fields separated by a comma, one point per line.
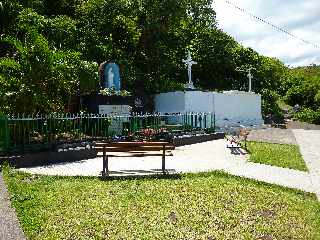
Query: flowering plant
x=149, y=134
x=113, y=92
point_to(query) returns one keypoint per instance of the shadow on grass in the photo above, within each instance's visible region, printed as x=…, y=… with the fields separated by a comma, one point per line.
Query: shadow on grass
x=141, y=174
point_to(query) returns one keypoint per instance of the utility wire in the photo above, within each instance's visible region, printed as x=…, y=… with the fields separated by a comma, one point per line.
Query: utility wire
x=273, y=25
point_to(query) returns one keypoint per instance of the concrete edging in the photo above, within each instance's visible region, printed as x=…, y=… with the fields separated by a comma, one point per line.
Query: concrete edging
x=49, y=157
x=9, y=224
x=178, y=142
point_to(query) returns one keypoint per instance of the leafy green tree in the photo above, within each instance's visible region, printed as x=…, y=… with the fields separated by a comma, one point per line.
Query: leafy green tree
x=50, y=51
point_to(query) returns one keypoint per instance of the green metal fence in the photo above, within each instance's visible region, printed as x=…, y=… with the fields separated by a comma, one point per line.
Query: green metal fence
x=4, y=133
x=25, y=132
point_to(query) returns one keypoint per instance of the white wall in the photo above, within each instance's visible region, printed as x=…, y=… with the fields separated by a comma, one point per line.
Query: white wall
x=171, y=102
x=231, y=108
x=198, y=101
x=189, y=101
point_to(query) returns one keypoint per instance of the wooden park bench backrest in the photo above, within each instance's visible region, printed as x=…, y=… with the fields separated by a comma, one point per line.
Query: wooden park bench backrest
x=134, y=146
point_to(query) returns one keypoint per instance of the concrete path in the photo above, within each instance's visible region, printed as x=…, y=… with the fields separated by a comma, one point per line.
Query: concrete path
x=9, y=224
x=309, y=143
x=195, y=158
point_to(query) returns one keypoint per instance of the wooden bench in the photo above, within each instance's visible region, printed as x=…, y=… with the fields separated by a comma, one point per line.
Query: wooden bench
x=133, y=149
x=236, y=140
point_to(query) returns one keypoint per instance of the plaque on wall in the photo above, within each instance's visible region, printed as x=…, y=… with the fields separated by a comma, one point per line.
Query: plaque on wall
x=114, y=109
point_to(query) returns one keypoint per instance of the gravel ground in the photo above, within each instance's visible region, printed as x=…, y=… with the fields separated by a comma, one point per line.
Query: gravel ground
x=302, y=125
x=9, y=224
x=282, y=136
x=273, y=135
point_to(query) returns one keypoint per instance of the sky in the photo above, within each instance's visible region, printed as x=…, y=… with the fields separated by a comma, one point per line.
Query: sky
x=299, y=17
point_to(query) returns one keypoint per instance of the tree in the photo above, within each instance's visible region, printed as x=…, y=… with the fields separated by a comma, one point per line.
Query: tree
x=50, y=51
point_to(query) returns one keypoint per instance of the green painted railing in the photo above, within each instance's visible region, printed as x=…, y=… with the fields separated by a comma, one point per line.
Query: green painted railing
x=24, y=132
x=4, y=133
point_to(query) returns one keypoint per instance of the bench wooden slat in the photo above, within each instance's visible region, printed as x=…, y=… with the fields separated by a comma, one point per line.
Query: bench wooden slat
x=134, y=148
x=112, y=144
x=135, y=154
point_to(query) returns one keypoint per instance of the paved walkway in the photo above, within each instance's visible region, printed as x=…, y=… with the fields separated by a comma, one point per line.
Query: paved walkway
x=9, y=224
x=200, y=157
x=309, y=143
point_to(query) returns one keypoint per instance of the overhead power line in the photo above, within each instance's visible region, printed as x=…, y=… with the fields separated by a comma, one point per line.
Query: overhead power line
x=273, y=25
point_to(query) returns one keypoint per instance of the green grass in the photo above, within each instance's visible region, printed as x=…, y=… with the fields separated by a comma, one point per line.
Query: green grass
x=280, y=155
x=194, y=206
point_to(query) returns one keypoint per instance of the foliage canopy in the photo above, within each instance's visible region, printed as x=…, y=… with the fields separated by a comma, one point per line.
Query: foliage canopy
x=50, y=51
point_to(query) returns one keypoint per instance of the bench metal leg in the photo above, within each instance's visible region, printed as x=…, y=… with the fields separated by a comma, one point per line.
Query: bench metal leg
x=164, y=159
x=105, y=167
x=105, y=172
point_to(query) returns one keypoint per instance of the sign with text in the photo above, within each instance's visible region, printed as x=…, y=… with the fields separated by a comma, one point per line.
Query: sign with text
x=119, y=110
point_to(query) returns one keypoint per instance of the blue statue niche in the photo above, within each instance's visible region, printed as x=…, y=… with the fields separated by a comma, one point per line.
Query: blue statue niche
x=112, y=76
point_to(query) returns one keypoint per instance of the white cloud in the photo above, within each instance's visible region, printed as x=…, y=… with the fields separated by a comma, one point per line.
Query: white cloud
x=299, y=17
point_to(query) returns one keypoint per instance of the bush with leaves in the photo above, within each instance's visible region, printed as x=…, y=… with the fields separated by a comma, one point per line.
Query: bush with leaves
x=270, y=107
x=41, y=79
x=308, y=115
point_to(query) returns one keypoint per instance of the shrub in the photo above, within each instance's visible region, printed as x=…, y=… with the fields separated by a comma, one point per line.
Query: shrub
x=295, y=95
x=309, y=115
x=305, y=94
x=270, y=105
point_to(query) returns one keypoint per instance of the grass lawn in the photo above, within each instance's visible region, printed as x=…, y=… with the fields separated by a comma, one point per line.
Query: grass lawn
x=280, y=155
x=194, y=206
